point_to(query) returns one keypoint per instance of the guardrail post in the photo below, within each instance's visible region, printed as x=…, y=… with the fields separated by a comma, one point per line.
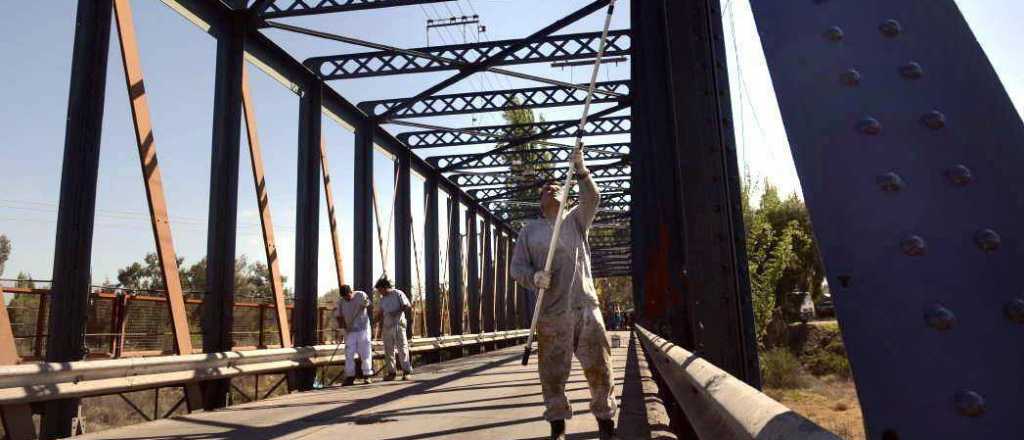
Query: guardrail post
x=307, y=225
x=76, y=214
x=218, y=303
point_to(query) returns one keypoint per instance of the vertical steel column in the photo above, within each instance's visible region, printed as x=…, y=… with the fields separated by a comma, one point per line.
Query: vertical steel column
x=363, y=233
x=473, y=268
x=717, y=282
x=455, y=303
x=403, y=231
x=908, y=150
x=72, y=257
x=307, y=224
x=487, y=296
x=218, y=303
x=511, y=298
x=266, y=222
x=501, y=280
x=431, y=251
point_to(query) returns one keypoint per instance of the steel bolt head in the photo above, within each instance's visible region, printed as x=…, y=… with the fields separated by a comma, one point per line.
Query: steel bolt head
x=934, y=119
x=960, y=175
x=890, y=28
x=987, y=240
x=912, y=70
x=969, y=403
x=939, y=317
x=890, y=182
x=850, y=77
x=834, y=33
x=1015, y=310
x=870, y=126
x=914, y=246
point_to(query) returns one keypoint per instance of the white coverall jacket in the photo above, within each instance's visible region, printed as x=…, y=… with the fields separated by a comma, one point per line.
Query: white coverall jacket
x=570, y=320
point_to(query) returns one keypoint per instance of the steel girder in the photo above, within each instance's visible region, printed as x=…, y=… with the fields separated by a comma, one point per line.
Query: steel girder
x=540, y=50
x=497, y=100
x=609, y=202
x=505, y=133
x=492, y=194
x=539, y=156
x=618, y=170
x=294, y=8
x=602, y=217
x=908, y=149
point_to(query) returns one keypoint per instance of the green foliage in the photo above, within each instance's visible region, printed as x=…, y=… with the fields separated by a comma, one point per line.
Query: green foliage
x=251, y=279
x=24, y=281
x=781, y=369
x=5, y=252
x=615, y=291
x=524, y=166
x=781, y=253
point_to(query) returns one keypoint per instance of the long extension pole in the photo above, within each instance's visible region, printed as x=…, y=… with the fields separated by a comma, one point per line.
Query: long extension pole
x=564, y=196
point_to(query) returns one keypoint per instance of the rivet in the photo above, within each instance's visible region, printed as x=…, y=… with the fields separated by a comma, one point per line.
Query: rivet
x=890, y=182
x=1015, y=310
x=870, y=126
x=914, y=246
x=934, y=119
x=939, y=317
x=960, y=175
x=850, y=77
x=890, y=28
x=987, y=240
x=969, y=403
x=834, y=33
x=912, y=70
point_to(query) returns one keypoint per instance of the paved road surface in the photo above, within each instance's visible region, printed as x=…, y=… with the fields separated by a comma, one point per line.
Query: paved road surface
x=488, y=396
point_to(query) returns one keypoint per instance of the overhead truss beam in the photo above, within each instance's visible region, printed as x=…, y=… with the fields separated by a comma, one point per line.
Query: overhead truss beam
x=489, y=134
x=498, y=100
x=295, y=8
x=531, y=156
x=440, y=58
x=618, y=170
x=516, y=193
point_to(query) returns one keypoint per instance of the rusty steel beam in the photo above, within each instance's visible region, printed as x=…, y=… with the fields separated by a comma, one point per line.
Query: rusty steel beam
x=17, y=418
x=331, y=216
x=154, y=188
x=267, y=224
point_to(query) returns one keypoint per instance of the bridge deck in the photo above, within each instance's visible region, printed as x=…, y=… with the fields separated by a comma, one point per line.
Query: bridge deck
x=488, y=396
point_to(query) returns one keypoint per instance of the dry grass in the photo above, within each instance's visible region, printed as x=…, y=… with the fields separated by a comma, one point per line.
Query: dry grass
x=830, y=402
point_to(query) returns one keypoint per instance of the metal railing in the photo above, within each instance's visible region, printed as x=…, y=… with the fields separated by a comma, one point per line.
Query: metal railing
x=43, y=381
x=720, y=406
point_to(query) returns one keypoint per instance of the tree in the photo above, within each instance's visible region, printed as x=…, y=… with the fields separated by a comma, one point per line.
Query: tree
x=25, y=281
x=523, y=166
x=615, y=291
x=775, y=241
x=5, y=252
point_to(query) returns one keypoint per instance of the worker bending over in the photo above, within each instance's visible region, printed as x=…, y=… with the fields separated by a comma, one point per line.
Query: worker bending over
x=350, y=312
x=570, y=320
x=393, y=305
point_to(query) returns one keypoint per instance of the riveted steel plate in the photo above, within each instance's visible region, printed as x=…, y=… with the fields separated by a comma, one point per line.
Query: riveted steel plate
x=910, y=154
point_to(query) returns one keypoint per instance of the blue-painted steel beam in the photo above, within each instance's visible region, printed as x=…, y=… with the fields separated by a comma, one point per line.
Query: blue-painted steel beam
x=909, y=154
x=295, y=8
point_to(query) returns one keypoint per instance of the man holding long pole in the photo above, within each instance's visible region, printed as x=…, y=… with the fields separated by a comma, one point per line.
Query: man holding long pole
x=570, y=318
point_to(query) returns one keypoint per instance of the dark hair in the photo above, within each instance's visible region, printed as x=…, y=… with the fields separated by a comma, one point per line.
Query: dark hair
x=345, y=289
x=383, y=283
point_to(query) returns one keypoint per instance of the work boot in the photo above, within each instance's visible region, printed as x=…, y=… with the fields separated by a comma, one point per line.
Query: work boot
x=390, y=377
x=367, y=380
x=606, y=429
x=406, y=374
x=349, y=381
x=558, y=430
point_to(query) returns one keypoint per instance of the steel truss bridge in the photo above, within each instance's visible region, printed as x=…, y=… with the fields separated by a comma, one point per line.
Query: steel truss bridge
x=904, y=139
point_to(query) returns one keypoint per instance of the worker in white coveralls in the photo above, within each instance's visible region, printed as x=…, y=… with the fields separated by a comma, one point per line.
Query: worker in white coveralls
x=393, y=305
x=570, y=320
x=350, y=312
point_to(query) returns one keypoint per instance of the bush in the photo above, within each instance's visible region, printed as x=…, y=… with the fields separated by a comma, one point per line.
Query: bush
x=781, y=369
x=826, y=362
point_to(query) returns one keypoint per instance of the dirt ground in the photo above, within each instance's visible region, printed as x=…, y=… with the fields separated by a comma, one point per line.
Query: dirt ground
x=829, y=402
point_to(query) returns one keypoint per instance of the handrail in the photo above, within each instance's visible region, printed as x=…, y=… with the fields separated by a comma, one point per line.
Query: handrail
x=720, y=406
x=42, y=381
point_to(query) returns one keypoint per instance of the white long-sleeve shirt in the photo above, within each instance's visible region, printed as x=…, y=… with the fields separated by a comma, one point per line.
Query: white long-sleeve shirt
x=572, y=285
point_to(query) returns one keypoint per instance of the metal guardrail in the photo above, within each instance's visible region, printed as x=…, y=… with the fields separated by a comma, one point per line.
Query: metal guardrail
x=42, y=381
x=720, y=406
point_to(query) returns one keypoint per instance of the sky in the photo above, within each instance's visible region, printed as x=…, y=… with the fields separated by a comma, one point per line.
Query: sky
x=178, y=63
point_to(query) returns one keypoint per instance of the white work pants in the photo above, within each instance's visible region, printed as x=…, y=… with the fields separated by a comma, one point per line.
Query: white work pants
x=358, y=343
x=395, y=341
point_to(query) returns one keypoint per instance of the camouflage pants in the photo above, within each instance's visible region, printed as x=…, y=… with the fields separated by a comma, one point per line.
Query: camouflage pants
x=395, y=342
x=580, y=332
